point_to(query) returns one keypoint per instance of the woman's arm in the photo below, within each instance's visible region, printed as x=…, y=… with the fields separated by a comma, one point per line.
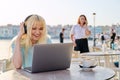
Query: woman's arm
x=72, y=35
x=73, y=40
x=17, y=56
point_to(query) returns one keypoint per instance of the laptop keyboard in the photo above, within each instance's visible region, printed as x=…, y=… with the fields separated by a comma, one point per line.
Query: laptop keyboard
x=28, y=69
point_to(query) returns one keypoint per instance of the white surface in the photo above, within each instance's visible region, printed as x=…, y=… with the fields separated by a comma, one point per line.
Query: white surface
x=101, y=53
x=108, y=56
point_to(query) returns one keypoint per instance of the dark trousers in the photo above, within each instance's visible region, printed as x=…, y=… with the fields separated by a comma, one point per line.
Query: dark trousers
x=81, y=45
x=112, y=42
x=61, y=40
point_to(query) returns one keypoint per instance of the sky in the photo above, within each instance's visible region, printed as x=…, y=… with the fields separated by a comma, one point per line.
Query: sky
x=62, y=12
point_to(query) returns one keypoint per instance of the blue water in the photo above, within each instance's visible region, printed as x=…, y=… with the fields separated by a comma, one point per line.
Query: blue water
x=5, y=46
x=90, y=42
x=57, y=41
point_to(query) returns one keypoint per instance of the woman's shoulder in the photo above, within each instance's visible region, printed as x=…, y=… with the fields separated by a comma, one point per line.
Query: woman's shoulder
x=49, y=40
x=13, y=41
x=75, y=26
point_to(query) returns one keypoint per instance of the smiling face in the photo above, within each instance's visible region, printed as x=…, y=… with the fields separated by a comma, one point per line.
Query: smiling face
x=36, y=32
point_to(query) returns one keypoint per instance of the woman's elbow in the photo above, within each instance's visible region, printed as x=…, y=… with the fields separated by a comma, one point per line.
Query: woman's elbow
x=71, y=36
x=16, y=65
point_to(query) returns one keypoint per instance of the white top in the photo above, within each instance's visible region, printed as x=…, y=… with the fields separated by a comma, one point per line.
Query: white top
x=78, y=31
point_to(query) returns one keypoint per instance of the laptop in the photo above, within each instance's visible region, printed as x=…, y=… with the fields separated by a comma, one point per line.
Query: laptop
x=51, y=57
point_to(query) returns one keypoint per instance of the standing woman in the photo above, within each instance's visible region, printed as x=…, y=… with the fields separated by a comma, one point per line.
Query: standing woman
x=79, y=34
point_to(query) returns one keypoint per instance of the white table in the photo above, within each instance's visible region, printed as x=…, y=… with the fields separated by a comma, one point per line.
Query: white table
x=73, y=73
x=106, y=56
x=101, y=53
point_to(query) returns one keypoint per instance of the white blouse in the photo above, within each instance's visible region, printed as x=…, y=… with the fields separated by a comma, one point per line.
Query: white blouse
x=78, y=31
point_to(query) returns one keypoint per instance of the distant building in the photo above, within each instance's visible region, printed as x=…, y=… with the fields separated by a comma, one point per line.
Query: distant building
x=9, y=31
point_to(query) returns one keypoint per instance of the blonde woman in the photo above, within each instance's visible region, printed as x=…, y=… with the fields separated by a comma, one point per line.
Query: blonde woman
x=32, y=31
x=79, y=34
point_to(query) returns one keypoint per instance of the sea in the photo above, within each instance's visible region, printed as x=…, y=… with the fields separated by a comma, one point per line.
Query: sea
x=5, y=46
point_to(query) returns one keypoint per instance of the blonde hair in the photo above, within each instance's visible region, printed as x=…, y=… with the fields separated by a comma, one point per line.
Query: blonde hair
x=30, y=22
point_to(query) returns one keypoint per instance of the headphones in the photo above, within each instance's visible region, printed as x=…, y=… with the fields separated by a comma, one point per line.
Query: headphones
x=25, y=27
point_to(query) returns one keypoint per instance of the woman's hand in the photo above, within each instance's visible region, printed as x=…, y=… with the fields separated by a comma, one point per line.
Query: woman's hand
x=87, y=32
x=21, y=32
x=74, y=44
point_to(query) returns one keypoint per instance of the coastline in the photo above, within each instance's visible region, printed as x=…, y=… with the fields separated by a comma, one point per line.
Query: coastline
x=5, y=46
